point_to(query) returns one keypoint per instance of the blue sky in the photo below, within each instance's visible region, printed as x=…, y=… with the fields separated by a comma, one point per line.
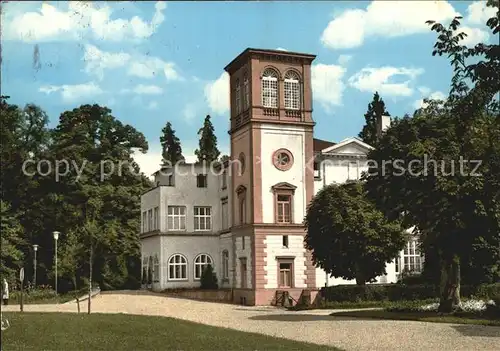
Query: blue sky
x=153, y=62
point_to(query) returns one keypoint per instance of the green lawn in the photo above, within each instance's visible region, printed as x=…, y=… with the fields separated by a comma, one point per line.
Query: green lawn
x=66, y=331
x=417, y=316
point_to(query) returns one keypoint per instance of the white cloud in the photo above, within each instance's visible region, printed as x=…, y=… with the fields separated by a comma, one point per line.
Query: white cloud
x=437, y=95
x=72, y=93
x=189, y=112
x=149, y=67
x=327, y=84
x=383, y=19
x=424, y=90
x=344, y=59
x=371, y=79
x=474, y=36
x=479, y=13
x=281, y=49
x=217, y=94
x=153, y=105
x=97, y=61
x=81, y=20
x=142, y=89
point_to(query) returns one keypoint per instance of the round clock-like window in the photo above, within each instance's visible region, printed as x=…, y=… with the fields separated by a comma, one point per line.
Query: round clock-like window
x=283, y=159
x=241, y=160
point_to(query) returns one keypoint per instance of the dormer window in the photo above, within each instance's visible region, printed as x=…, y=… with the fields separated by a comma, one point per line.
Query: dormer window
x=238, y=97
x=292, y=91
x=270, y=89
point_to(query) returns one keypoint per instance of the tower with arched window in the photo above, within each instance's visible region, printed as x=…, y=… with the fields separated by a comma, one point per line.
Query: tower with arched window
x=272, y=180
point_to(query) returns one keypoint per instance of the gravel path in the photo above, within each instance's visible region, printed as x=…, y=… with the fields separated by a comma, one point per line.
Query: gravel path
x=309, y=326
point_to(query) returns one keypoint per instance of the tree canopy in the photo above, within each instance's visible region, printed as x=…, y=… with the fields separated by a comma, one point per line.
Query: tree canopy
x=348, y=236
x=376, y=109
x=207, y=150
x=171, y=146
x=443, y=174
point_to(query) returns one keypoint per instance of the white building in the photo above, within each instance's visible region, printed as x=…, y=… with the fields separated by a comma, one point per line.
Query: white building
x=245, y=218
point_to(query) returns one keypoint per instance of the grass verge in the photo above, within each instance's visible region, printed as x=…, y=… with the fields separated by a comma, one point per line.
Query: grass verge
x=418, y=316
x=61, y=331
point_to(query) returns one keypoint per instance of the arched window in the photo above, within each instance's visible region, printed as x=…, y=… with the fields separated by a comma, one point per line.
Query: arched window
x=238, y=97
x=156, y=269
x=246, y=92
x=225, y=264
x=292, y=91
x=270, y=89
x=177, y=267
x=200, y=263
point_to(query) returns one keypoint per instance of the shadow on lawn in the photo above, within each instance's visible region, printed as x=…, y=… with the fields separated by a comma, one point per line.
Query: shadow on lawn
x=478, y=330
x=296, y=318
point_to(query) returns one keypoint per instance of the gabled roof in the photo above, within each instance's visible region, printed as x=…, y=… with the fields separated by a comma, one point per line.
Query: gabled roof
x=284, y=186
x=345, y=142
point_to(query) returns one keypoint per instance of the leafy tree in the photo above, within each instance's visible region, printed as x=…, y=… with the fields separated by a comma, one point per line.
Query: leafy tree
x=455, y=207
x=171, y=145
x=207, y=150
x=11, y=255
x=208, y=278
x=348, y=237
x=376, y=109
x=224, y=158
x=102, y=199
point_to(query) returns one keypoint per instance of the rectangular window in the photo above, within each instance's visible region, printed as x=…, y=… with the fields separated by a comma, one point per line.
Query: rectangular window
x=202, y=218
x=150, y=220
x=224, y=180
x=225, y=215
x=238, y=97
x=292, y=94
x=156, y=224
x=243, y=210
x=243, y=243
x=270, y=93
x=201, y=180
x=246, y=92
x=412, y=259
x=156, y=270
x=144, y=222
x=285, y=274
x=176, y=218
x=243, y=272
x=283, y=204
x=170, y=180
x=317, y=172
x=285, y=241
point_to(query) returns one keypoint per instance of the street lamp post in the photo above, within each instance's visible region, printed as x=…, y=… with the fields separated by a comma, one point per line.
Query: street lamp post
x=35, y=249
x=56, y=237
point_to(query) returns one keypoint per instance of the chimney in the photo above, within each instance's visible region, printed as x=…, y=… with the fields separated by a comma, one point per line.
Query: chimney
x=383, y=123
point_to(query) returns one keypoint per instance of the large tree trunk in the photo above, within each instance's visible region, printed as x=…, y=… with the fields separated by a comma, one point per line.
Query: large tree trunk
x=450, y=284
x=360, y=277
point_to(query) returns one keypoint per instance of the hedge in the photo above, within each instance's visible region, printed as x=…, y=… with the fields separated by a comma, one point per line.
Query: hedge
x=400, y=292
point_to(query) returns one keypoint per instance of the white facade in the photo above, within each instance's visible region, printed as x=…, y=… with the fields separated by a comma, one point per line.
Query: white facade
x=273, y=138
x=337, y=164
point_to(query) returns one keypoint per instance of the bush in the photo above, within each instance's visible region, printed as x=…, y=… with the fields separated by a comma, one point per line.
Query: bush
x=399, y=292
x=488, y=291
x=209, y=279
